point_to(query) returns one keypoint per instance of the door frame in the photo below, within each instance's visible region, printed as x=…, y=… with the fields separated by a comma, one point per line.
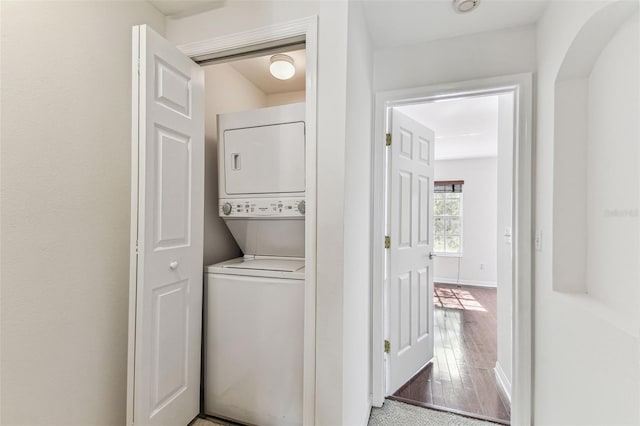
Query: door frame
x=521, y=85
x=228, y=45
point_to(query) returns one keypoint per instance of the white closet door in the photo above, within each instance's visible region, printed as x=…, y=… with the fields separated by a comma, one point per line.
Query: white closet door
x=166, y=295
x=411, y=269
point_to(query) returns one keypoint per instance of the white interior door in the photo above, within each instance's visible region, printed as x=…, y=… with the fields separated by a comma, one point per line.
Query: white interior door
x=166, y=296
x=410, y=222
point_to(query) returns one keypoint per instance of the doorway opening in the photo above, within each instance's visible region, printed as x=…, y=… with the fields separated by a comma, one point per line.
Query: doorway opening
x=473, y=241
x=254, y=253
x=469, y=226
x=170, y=91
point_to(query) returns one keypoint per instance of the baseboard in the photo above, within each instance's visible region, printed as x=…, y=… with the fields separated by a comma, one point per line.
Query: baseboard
x=465, y=282
x=504, y=385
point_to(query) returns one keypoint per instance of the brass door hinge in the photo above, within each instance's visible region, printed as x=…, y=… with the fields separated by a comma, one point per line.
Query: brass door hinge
x=388, y=140
x=387, y=242
x=387, y=346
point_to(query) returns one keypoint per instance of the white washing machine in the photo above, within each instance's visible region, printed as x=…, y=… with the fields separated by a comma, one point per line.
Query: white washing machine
x=254, y=311
x=253, y=340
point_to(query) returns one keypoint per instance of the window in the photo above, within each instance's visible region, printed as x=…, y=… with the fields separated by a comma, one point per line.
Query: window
x=447, y=204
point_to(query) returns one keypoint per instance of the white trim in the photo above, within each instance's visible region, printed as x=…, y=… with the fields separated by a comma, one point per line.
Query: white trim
x=465, y=282
x=522, y=313
x=307, y=27
x=133, y=238
x=504, y=385
x=270, y=33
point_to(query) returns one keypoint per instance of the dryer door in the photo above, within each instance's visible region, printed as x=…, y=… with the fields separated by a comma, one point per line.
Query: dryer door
x=265, y=159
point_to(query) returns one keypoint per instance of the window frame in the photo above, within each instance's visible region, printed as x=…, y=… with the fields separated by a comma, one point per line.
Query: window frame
x=459, y=216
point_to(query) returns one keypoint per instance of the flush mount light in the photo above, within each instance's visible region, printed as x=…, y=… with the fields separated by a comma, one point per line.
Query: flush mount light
x=464, y=6
x=282, y=67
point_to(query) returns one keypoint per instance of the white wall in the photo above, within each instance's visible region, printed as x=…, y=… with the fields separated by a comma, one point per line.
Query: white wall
x=613, y=233
x=274, y=99
x=66, y=149
x=462, y=58
x=226, y=91
x=357, y=223
x=569, y=187
x=504, y=254
x=477, y=266
x=332, y=62
x=582, y=345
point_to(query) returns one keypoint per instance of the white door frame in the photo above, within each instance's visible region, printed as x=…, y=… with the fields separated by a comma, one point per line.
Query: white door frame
x=521, y=85
x=244, y=41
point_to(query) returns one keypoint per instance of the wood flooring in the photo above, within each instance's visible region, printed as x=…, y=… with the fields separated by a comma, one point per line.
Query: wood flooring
x=461, y=378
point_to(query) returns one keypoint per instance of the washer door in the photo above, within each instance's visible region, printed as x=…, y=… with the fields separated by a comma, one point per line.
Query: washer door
x=253, y=349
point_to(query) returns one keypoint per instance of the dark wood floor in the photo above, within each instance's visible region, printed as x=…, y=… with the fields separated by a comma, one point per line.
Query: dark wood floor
x=461, y=378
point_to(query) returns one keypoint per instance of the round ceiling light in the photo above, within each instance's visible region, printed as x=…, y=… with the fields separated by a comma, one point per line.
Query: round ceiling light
x=282, y=67
x=464, y=6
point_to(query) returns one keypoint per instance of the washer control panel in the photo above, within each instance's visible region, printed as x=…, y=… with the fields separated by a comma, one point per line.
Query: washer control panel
x=262, y=207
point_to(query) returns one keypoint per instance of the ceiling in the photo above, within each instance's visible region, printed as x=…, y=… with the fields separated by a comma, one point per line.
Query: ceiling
x=182, y=8
x=394, y=23
x=256, y=70
x=402, y=22
x=464, y=128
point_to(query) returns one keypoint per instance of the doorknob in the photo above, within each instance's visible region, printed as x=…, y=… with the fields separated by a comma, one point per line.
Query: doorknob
x=173, y=265
x=432, y=255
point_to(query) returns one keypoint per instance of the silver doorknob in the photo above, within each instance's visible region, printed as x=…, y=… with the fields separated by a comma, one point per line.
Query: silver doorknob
x=173, y=265
x=432, y=255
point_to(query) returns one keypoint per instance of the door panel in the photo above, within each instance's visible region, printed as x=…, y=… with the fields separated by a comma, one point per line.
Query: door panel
x=173, y=170
x=410, y=288
x=423, y=300
x=169, y=109
x=424, y=215
x=404, y=213
x=170, y=343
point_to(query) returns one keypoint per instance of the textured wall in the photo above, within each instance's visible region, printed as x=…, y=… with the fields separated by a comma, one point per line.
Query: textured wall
x=66, y=126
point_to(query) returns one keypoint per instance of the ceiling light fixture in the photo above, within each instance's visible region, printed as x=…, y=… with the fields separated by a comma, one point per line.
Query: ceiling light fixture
x=282, y=67
x=464, y=6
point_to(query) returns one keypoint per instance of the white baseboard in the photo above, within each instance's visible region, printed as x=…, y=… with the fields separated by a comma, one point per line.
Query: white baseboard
x=465, y=282
x=504, y=385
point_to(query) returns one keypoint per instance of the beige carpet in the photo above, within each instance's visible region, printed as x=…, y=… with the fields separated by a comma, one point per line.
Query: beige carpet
x=394, y=413
x=207, y=422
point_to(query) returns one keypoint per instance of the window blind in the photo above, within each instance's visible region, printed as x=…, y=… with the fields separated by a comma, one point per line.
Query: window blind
x=452, y=186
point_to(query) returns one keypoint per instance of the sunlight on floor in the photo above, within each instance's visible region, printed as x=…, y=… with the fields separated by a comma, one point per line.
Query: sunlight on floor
x=456, y=298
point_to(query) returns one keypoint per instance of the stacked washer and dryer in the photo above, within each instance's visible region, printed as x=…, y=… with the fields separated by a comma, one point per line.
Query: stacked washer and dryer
x=255, y=304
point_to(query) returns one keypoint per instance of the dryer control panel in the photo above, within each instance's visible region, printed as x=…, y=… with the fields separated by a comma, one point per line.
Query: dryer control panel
x=262, y=207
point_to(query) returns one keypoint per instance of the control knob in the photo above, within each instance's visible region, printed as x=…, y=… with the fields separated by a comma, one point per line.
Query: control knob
x=302, y=207
x=226, y=208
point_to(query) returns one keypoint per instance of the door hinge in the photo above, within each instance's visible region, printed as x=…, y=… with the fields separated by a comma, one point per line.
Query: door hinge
x=387, y=346
x=388, y=139
x=137, y=246
x=387, y=242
